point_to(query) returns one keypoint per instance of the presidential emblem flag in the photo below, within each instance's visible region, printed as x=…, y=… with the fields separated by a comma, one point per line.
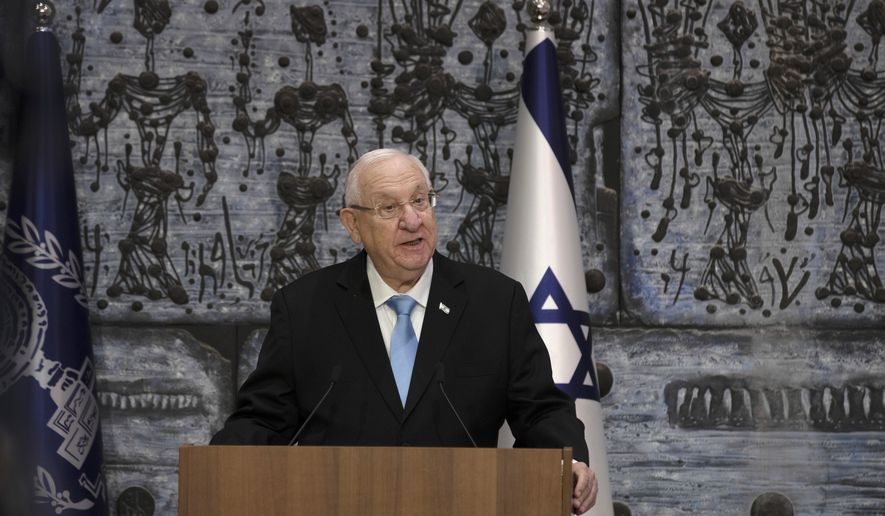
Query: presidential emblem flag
x=542, y=246
x=49, y=430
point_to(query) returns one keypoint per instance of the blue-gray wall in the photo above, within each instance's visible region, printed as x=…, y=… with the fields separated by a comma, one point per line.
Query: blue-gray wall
x=729, y=177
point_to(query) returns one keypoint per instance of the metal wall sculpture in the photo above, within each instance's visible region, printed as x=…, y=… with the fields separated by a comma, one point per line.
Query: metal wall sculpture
x=762, y=121
x=303, y=100
x=728, y=174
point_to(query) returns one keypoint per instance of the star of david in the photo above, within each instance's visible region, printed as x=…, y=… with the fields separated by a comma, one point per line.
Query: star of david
x=549, y=287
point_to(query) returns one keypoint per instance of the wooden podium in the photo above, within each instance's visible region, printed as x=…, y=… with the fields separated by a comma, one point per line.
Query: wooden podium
x=318, y=480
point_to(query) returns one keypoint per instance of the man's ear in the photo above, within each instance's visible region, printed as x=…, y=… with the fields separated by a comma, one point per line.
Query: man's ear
x=347, y=216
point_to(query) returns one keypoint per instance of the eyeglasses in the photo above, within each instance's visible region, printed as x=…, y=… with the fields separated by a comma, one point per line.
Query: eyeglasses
x=388, y=210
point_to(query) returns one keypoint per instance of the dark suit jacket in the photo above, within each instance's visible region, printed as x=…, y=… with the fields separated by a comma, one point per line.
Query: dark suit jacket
x=496, y=367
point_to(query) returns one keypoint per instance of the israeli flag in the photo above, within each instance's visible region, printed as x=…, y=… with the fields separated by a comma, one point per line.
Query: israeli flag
x=542, y=246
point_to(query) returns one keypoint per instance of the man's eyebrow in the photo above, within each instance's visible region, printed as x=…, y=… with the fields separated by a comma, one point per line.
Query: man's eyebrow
x=383, y=197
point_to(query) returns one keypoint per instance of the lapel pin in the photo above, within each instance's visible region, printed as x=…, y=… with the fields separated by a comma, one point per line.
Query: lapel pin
x=444, y=308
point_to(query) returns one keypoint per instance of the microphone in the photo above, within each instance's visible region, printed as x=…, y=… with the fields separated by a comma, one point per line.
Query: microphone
x=440, y=379
x=333, y=379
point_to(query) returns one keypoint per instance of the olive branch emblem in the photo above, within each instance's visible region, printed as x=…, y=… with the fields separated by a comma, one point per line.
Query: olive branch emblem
x=60, y=501
x=46, y=253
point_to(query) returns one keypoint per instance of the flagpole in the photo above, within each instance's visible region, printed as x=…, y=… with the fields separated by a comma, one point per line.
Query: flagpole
x=538, y=11
x=44, y=13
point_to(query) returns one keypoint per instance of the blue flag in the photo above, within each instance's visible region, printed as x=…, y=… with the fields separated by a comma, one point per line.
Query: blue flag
x=48, y=402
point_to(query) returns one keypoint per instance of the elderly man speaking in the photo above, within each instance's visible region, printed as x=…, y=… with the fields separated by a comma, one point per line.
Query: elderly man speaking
x=389, y=320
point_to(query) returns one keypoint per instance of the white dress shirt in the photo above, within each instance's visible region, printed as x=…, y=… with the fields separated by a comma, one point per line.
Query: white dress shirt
x=381, y=292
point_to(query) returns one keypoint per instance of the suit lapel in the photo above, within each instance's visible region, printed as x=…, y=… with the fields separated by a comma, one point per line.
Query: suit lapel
x=357, y=311
x=445, y=305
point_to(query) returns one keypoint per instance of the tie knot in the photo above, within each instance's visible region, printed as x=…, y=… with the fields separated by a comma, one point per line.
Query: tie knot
x=402, y=305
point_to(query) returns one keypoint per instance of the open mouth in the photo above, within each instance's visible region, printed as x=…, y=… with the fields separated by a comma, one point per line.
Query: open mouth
x=413, y=243
x=147, y=401
x=159, y=388
x=723, y=403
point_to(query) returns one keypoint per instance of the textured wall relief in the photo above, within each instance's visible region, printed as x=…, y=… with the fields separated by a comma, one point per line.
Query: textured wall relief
x=305, y=107
x=158, y=389
x=720, y=402
x=753, y=161
x=248, y=355
x=430, y=103
x=719, y=421
x=211, y=140
x=147, y=136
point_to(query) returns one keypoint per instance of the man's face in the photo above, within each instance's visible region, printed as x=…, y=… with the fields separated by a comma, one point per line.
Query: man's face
x=401, y=247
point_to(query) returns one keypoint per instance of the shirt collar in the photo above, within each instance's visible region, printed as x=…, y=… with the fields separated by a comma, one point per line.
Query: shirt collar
x=381, y=291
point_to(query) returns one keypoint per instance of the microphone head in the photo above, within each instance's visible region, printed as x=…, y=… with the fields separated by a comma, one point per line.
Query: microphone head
x=440, y=373
x=336, y=373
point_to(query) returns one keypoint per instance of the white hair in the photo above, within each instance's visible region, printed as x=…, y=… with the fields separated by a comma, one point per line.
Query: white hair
x=352, y=193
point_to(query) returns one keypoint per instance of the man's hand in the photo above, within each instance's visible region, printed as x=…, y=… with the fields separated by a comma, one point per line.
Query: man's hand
x=584, y=495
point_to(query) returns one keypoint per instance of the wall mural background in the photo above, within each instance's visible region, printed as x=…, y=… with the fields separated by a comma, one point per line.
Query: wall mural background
x=729, y=177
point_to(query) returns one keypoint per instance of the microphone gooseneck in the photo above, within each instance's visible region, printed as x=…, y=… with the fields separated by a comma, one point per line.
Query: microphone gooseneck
x=440, y=379
x=333, y=379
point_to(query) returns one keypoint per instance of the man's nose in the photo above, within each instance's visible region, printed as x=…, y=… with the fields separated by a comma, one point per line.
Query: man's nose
x=411, y=218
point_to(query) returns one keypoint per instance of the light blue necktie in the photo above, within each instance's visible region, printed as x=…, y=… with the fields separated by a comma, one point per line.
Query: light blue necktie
x=403, y=344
